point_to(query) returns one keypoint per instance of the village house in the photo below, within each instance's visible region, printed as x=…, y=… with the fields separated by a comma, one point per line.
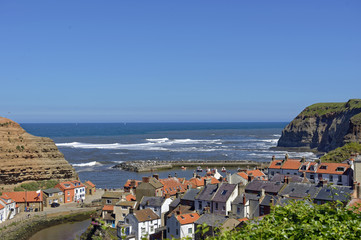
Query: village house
x=121, y=209
x=74, y=191
x=245, y=176
x=334, y=173
x=173, y=186
x=160, y=205
x=266, y=202
x=199, y=182
x=112, y=197
x=214, y=225
x=131, y=185
x=52, y=195
x=181, y=226
x=150, y=187
x=175, y=203
x=221, y=202
x=245, y=206
x=333, y=193
x=203, y=202
x=27, y=201
x=286, y=166
x=297, y=190
x=189, y=197
x=90, y=188
x=139, y=224
x=108, y=215
x=8, y=208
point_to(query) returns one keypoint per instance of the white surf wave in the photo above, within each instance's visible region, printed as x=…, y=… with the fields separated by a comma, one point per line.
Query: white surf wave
x=276, y=135
x=89, y=164
x=158, y=144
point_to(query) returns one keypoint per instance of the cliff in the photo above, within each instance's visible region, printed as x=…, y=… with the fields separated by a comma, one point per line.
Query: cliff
x=24, y=157
x=324, y=126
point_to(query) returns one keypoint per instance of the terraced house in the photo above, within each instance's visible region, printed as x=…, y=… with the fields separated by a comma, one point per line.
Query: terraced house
x=74, y=191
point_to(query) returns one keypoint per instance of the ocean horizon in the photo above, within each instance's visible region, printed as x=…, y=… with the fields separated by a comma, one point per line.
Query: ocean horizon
x=94, y=148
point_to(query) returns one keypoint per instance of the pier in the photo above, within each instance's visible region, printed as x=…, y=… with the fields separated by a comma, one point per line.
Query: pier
x=152, y=165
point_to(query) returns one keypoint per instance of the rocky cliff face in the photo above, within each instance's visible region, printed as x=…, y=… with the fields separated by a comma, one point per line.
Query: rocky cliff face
x=24, y=157
x=324, y=126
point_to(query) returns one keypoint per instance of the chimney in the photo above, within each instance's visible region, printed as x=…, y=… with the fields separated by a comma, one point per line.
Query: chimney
x=131, y=210
x=169, y=176
x=132, y=183
x=194, y=174
x=145, y=179
x=207, y=181
x=167, y=195
x=322, y=182
x=287, y=179
x=156, y=176
x=271, y=201
x=250, y=177
x=273, y=158
x=175, y=175
x=263, y=192
x=303, y=159
x=240, y=187
x=229, y=179
x=244, y=199
x=177, y=195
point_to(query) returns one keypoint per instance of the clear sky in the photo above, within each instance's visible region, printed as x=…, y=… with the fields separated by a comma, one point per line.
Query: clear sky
x=155, y=61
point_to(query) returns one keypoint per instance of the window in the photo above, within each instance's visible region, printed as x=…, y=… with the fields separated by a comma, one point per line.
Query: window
x=224, y=192
x=143, y=229
x=272, y=173
x=152, y=228
x=340, y=169
x=176, y=232
x=331, y=178
x=303, y=167
x=312, y=168
x=190, y=230
x=224, y=208
x=323, y=167
x=216, y=206
x=68, y=193
x=155, y=209
x=168, y=230
x=50, y=201
x=199, y=205
x=123, y=214
x=340, y=178
x=238, y=210
x=124, y=207
x=50, y=194
x=109, y=201
x=68, y=198
x=279, y=164
x=312, y=176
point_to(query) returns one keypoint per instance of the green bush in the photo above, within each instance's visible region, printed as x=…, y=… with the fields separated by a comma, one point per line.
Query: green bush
x=342, y=153
x=302, y=220
x=34, y=186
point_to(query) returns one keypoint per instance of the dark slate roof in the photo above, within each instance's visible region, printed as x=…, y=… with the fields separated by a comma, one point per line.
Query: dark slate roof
x=286, y=201
x=267, y=200
x=239, y=198
x=145, y=215
x=334, y=193
x=270, y=187
x=208, y=192
x=152, y=201
x=191, y=194
x=224, y=192
x=300, y=190
x=212, y=220
x=52, y=190
x=174, y=203
x=281, y=178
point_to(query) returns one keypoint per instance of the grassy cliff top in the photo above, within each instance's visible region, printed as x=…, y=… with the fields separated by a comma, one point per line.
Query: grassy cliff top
x=325, y=108
x=342, y=153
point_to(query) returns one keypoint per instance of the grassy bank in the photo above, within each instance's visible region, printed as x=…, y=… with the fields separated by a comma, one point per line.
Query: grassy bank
x=24, y=230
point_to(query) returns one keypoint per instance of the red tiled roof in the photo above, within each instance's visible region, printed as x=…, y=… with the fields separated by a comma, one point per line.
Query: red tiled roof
x=243, y=219
x=291, y=164
x=90, y=183
x=332, y=167
x=309, y=167
x=130, y=197
x=172, y=186
x=19, y=197
x=63, y=185
x=1, y=206
x=256, y=173
x=187, y=218
x=199, y=182
x=129, y=183
x=243, y=175
x=108, y=208
x=274, y=164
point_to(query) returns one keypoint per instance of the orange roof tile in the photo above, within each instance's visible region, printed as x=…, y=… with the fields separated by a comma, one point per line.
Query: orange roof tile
x=130, y=197
x=256, y=173
x=187, y=218
x=292, y=164
x=19, y=197
x=129, y=183
x=274, y=164
x=199, y=182
x=69, y=185
x=90, y=183
x=243, y=175
x=172, y=186
x=331, y=168
x=243, y=219
x=1, y=206
x=108, y=208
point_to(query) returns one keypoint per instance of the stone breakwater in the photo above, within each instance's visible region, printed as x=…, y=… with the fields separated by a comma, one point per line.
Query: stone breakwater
x=151, y=165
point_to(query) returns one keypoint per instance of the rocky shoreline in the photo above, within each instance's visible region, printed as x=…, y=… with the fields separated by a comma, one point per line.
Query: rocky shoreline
x=152, y=165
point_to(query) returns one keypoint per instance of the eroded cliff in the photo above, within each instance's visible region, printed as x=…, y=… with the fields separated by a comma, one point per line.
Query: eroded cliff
x=24, y=157
x=324, y=126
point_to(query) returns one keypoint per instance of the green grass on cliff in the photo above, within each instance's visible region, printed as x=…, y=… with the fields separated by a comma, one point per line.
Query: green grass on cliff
x=356, y=119
x=342, y=153
x=325, y=108
x=34, y=186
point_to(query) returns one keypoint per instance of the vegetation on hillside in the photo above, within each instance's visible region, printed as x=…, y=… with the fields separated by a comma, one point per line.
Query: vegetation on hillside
x=342, y=153
x=320, y=109
x=356, y=119
x=302, y=220
x=34, y=186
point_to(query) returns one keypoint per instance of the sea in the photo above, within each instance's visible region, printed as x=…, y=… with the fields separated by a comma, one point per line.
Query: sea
x=94, y=148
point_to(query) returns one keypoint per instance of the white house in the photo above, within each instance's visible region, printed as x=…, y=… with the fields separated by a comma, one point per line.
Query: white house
x=221, y=202
x=181, y=226
x=7, y=208
x=139, y=224
x=160, y=205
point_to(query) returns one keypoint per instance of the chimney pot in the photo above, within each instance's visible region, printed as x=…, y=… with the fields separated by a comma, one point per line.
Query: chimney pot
x=156, y=176
x=145, y=179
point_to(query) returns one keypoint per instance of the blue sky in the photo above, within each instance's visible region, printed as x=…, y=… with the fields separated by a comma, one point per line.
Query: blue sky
x=156, y=61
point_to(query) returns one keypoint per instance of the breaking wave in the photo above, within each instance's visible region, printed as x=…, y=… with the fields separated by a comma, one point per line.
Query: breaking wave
x=89, y=164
